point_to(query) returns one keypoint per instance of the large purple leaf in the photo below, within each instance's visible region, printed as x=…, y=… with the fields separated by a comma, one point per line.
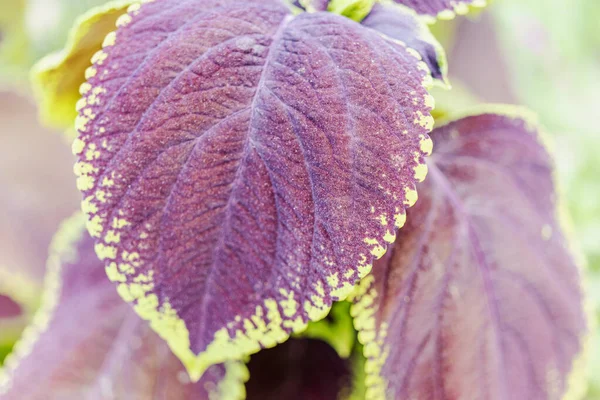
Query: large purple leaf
x=86, y=343
x=242, y=167
x=480, y=298
x=443, y=9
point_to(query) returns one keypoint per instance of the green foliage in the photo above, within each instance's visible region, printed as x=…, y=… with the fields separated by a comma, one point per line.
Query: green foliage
x=353, y=9
x=4, y=351
x=336, y=329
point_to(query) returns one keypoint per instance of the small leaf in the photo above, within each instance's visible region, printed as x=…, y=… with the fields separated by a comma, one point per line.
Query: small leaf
x=85, y=342
x=399, y=23
x=242, y=166
x=19, y=299
x=441, y=9
x=56, y=78
x=480, y=298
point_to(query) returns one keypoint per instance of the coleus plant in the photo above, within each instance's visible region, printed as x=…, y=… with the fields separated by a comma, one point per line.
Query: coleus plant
x=245, y=165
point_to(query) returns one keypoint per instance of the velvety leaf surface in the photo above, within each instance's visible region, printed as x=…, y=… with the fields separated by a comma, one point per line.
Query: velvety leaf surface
x=242, y=167
x=86, y=343
x=443, y=9
x=401, y=23
x=56, y=78
x=480, y=298
x=298, y=369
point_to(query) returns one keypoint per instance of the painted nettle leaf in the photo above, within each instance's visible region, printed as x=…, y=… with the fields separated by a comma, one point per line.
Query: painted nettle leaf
x=85, y=342
x=480, y=297
x=242, y=165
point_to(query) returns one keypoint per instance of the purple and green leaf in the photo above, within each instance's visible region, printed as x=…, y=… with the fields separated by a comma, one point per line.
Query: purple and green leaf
x=11, y=324
x=442, y=9
x=242, y=167
x=85, y=342
x=480, y=297
x=401, y=24
x=358, y=9
x=19, y=299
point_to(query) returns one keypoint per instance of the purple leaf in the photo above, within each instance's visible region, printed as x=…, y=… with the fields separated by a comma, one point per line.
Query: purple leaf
x=242, y=167
x=85, y=342
x=443, y=9
x=401, y=23
x=480, y=298
x=9, y=308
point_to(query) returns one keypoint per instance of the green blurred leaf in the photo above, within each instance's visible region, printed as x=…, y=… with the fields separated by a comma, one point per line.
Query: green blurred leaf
x=353, y=9
x=15, y=55
x=337, y=329
x=56, y=78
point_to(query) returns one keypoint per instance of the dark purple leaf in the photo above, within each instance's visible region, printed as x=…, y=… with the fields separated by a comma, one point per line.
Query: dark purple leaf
x=480, y=298
x=86, y=343
x=401, y=24
x=242, y=167
x=298, y=369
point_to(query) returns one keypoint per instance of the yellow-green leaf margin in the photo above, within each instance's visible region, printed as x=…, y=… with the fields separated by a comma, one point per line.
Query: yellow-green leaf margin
x=56, y=77
x=23, y=291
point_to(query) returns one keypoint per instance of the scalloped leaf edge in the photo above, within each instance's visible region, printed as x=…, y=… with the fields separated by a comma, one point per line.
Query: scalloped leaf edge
x=165, y=321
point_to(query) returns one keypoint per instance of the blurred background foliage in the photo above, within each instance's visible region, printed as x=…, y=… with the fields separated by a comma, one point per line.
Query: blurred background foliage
x=30, y=29
x=544, y=54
